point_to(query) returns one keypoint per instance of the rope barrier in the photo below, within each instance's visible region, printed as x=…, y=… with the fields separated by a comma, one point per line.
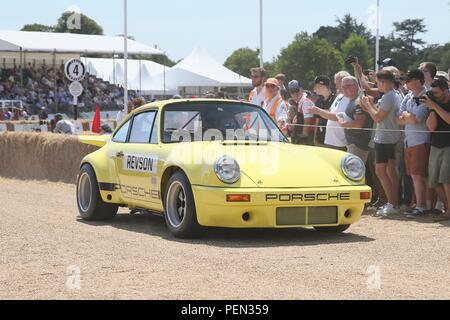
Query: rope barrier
x=366, y=129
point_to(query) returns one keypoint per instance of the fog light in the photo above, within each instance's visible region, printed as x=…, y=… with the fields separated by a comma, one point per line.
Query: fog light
x=238, y=198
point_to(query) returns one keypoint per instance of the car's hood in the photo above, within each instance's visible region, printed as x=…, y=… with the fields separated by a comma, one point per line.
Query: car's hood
x=282, y=165
x=274, y=165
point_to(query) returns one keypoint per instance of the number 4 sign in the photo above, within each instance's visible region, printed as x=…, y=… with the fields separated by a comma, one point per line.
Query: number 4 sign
x=75, y=70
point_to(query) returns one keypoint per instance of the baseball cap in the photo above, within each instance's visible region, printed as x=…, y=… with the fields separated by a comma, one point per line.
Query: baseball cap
x=323, y=80
x=294, y=85
x=272, y=81
x=443, y=74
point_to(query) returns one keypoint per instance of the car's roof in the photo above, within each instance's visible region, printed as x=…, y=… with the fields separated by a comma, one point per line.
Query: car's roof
x=162, y=104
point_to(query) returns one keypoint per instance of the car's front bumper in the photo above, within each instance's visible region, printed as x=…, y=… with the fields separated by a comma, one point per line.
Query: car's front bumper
x=280, y=208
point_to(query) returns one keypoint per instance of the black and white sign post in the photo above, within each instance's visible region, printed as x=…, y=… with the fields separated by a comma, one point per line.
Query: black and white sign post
x=75, y=71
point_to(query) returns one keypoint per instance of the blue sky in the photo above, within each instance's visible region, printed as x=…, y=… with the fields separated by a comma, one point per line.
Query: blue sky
x=223, y=26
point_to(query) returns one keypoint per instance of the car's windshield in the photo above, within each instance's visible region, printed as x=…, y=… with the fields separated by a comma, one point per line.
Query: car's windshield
x=209, y=121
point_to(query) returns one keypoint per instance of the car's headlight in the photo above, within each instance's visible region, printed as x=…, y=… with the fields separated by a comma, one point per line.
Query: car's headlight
x=227, y=169
x=354, y=168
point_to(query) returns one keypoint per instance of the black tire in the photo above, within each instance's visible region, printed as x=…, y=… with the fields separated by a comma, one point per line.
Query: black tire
x=338, y=229
x=180, y=215
x=93, y=208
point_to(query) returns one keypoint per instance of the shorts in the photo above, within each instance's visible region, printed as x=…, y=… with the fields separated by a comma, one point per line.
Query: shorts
x=384, y=153
x=439, y=167
x=417, y=159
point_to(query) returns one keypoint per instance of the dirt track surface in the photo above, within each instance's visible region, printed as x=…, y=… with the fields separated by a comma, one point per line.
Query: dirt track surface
x=135, y=257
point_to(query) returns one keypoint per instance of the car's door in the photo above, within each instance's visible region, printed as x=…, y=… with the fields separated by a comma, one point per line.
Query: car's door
x=137, y=161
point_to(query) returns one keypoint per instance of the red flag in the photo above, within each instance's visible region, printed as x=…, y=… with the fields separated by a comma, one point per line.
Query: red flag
x=96, y=123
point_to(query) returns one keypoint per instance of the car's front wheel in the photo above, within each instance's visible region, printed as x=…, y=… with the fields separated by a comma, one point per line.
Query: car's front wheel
x=90, y=204
x=338, y=229
x=180, y=212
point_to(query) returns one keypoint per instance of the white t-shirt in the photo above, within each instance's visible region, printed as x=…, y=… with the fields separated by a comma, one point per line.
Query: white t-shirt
x=258, y=98
x=336, y=136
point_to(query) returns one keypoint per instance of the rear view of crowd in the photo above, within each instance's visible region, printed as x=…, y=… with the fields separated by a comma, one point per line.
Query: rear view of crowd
x=398, y=124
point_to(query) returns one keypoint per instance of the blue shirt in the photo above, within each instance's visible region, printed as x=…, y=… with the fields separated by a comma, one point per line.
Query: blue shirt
x=409, y=105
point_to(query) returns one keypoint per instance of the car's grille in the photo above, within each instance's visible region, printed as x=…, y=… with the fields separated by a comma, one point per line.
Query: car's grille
x=304, y=216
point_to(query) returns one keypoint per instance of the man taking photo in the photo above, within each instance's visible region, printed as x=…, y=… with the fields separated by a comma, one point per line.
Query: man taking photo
x=439, y=124
x=387, y=136
x=413, y=116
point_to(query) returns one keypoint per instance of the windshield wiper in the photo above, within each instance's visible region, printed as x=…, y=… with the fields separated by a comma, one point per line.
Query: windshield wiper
x=189, y=122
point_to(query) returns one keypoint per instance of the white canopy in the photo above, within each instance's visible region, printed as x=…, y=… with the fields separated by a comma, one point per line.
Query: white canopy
x=146, y=83
x=140, y=73
x=199, y=69
x=69, y=43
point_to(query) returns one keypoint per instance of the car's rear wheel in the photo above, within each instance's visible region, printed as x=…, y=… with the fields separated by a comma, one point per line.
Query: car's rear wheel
x=180, y=212
x=90, y=204
x=338, y=229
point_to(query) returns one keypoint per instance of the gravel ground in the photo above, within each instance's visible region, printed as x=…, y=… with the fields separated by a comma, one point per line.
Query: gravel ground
x=44, y=247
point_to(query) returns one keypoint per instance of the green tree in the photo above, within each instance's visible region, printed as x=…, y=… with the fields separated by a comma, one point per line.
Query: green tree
x=439, y=54
x=346, y=26
x=307, y=57
x=242, y=60
x=408, y=31
x=36, y=27
x=72, y=22
x=357, y=46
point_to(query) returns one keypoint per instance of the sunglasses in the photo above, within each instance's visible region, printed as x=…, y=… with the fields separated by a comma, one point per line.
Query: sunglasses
x=271, y=86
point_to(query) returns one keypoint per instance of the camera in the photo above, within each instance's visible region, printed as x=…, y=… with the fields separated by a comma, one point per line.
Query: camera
x=429, y=94
x=351, y=59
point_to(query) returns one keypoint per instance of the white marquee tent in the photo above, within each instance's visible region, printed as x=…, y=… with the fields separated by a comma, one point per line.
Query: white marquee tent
x=199, y=69
x=140, y=74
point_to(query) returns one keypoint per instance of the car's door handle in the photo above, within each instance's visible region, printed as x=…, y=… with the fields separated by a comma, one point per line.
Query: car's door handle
x=120, y=154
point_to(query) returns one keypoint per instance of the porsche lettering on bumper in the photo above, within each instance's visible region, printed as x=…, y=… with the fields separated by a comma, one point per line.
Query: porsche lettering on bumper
x=308, y=197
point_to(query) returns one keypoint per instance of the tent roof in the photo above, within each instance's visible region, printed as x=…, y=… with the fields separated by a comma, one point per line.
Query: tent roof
x=140, y=73
x=69, y=43
x=104, y=68
x=200, y=63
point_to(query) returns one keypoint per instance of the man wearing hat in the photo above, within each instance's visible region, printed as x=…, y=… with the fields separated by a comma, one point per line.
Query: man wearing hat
x=303, y=118
x=275, y=105
x=322, y=87
x=413, y=116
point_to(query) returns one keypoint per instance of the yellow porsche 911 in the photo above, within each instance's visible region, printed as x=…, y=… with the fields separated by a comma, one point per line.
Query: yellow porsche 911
x=218, y=163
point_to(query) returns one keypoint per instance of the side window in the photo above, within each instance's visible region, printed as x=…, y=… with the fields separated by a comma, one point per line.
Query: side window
x=142, y=127
x=121, y=135
x=154, y=138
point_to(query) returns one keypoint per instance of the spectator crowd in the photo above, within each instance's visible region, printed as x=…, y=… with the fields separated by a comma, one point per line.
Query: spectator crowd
x=45, y=87
x=397, y=123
